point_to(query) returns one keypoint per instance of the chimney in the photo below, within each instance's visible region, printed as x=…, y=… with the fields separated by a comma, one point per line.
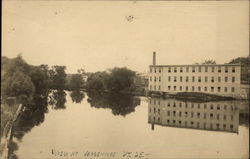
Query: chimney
x=154, y=58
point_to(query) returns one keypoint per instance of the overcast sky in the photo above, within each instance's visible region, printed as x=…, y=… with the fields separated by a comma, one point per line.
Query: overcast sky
x=98, y=35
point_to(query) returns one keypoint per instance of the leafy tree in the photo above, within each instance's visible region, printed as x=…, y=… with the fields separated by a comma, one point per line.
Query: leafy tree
x=209, y=62
x=244, y=61
x=76, y=82
x=18, y=85
x=58, y=77
x=120, y=79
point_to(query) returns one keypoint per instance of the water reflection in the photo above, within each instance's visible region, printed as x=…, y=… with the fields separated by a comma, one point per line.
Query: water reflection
x=31, y=117
x=120, y=104
x=219, y=116
x=58, y=99
x=77, y=96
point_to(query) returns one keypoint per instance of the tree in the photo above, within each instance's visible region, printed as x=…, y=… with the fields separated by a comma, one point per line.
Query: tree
x=76, y=82
x=18, y=85
x=120, y=79
x=58, y=77
x=243, y=61
x=209, y=62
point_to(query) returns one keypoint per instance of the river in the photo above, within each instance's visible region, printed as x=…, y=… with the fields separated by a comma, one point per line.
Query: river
x=78, y=124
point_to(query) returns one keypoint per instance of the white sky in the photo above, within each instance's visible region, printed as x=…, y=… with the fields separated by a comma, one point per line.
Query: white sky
x=97, y=36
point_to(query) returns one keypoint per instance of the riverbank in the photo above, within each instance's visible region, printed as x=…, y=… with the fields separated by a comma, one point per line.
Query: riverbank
x=9, y=114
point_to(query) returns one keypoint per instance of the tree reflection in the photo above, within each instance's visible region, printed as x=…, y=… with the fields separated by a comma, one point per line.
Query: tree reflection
x=31, y=117
x=77, y=96
x=119, y=103
x=58, y=99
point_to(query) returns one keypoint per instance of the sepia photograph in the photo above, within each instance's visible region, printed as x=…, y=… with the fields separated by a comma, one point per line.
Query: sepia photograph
x=125, y=79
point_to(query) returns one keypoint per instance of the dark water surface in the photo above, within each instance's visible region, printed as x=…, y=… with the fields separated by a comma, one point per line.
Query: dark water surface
x=76, y=122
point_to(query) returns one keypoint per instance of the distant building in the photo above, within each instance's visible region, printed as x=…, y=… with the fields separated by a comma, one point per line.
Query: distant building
x=218, y=116
x=220, y=79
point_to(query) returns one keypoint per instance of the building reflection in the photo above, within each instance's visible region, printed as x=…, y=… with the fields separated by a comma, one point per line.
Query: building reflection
x=217, y=116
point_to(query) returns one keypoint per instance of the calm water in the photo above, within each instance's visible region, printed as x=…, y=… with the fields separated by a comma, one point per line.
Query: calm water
x=76, y=123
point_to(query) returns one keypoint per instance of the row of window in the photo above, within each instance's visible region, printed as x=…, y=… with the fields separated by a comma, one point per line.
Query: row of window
x=198, y=124
x=194, y=115
x=193, y=88
x=205, y=106
x=194, y=79
x=194, y=69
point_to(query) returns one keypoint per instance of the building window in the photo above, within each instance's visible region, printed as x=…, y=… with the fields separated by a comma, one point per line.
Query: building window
x=193, y=69
x=193, y=79
x=232, y=89
x=212, y=79
x=192, y=114
x=225, y=89
x=226, y=69
x=199, y=88
x=225, y=117
x=233, y=69
x=155, y=79
x=154, y=87
x=200, y=69
x=174, y=105
x=169, y=87
x=199, y=79
x=206, y=68
x=186, y=114
x=169, y=78
x=175, y=88
x=150, y=87
x=231, y=126
x=159, y=111
x=186, y=104
x=233, y=79
x=219, y=69
x=180, y=105
x=174, y=113
x=232, y=117
x=206, y=79
x=150, y=78
x=150, y=70
x=218, y=89
x=181, y=69
x=212, y=107
x=169, y=69
x=187, y=79
x=159, y=87
x=219, y=79
x=218, y=107
x=211, y=115
x=226, y=79
x=205, y=106
x=205, y=89
x=192, y=105
x=175, y=70
x=192, y=88
x=155, y=70
x=187, y=69
x=159, y=79
x=168, y=104
x=186, y=88
x=168, y=113
x=175, y=79
x=218, y=116
x=179, y=122
x=198, y=115
x=225, y=107
x=212, y=68
x=159, y=70
x=205, y=115
x=180, y=88
x=181, y=79
x=212, y=89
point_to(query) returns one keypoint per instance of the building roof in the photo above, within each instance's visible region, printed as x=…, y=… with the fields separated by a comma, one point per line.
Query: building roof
x=196, y=65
